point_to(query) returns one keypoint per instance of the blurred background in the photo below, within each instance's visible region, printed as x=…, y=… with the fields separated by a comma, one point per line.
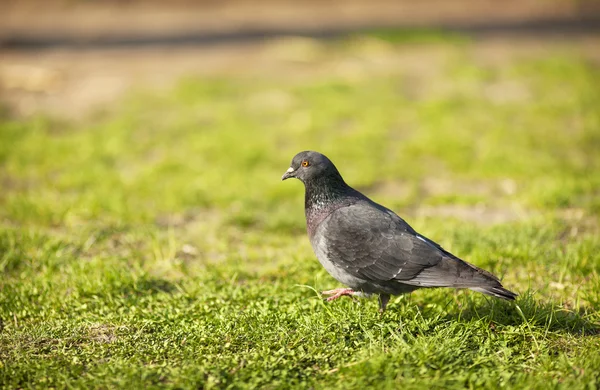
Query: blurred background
x=69, y=56
x=126, y=112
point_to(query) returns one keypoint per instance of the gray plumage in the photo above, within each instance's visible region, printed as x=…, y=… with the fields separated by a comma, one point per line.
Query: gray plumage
x=371, y=249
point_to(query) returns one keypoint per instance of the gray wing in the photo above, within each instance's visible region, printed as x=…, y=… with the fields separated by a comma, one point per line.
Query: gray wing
x=372, y=243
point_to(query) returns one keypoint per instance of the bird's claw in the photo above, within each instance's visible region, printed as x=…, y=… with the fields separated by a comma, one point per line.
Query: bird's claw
x=338, y=292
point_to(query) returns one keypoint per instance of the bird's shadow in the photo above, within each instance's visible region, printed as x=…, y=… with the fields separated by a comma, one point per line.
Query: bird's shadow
x=548, y=316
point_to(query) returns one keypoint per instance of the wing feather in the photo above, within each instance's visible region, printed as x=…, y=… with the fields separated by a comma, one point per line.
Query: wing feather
x=375, y=244
x=372, y=243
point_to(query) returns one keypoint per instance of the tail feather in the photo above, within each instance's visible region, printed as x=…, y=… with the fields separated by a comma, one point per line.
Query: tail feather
x=457, y=273
x=496, y=291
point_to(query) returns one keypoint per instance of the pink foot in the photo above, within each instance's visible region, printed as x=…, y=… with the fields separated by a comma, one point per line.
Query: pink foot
x=338, y=292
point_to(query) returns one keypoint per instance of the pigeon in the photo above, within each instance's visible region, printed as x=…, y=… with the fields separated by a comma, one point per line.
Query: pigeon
x=369, y=248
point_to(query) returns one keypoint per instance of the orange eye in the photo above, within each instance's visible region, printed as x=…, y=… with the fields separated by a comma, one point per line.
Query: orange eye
x=305, y=163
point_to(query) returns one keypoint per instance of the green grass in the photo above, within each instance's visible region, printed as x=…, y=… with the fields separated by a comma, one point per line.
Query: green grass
x=155, y=246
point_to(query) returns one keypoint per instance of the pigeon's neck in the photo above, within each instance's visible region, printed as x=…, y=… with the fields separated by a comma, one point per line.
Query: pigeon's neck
x=323, y=196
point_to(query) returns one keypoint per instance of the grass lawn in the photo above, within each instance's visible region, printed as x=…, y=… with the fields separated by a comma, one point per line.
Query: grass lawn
x=153, y=245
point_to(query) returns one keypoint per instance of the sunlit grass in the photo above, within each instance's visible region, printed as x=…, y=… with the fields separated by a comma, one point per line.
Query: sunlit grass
x=156, y=245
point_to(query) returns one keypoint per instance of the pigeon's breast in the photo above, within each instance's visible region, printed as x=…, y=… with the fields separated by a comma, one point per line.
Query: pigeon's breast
x=319, y=244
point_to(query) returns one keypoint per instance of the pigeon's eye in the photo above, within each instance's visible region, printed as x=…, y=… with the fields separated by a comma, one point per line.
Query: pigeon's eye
x=305, y=163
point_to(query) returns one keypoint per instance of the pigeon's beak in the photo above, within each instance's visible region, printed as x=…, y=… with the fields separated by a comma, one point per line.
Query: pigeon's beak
x=288, y=174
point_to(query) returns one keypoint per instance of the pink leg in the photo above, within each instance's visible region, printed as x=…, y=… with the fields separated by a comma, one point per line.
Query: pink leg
x=339, y=292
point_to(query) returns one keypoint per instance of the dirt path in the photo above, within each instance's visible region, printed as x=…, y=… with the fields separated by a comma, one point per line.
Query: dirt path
x=86, y=21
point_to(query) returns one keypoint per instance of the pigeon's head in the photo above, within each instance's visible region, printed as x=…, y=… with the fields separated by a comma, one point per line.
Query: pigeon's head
x=309, y=165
